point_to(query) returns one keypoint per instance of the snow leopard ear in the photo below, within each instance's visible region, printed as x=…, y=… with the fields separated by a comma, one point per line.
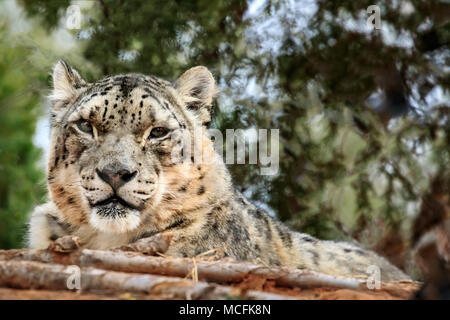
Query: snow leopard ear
x=66, y=82
x=197, y=89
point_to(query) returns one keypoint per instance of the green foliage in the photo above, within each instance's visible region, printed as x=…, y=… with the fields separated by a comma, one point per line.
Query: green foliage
x=48, y=12
x=21, y=184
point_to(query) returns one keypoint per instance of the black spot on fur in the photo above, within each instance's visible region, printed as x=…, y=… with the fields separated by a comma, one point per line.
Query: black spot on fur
x=315, y=257
x=274, y=262
x=262, y=223
x=285, y=236
x=181, y=223
x=128, y=84
x=361, y=252
x=255, y=213
x=201, y=190
x=309, y=239
x=55, y=222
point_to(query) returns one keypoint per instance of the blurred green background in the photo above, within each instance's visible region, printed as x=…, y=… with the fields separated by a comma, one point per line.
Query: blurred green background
x=363, y=113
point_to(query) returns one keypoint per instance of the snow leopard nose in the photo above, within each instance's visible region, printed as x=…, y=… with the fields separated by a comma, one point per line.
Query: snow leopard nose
x=116, y=176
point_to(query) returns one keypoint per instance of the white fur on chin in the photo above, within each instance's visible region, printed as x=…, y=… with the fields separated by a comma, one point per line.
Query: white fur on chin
x=118, y=224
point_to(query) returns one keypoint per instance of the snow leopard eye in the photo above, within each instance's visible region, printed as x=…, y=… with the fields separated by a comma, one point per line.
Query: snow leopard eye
x=158, y=132
x=84, y=126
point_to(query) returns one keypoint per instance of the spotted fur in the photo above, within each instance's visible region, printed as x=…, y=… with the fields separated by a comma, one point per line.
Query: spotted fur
x=193, y=200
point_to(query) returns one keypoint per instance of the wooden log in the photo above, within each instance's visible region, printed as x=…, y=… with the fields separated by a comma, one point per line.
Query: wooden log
x=222, y=271
x=215, y=271
x=150, y=246
x=37, y=275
